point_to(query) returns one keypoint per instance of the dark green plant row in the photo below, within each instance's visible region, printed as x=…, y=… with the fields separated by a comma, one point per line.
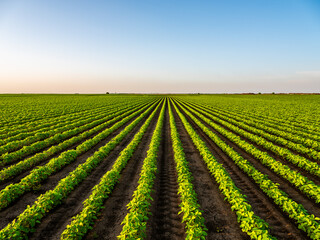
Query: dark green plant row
x=36, y=119
x=22, y=112
x=26, y=222
x=50, y=135
x=278, y=138
x=19, y=132
x=83, y=221
x=305, y=221
x=250, y=223
x=30, y=162
x=306, y=186
x=271, y=121
x=192, y=215
x=40, y=145
x=36, y=176
x=50, y=124
x=135, y=222
x=308, y=140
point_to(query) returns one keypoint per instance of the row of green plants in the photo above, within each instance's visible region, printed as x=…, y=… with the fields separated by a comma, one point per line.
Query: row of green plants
x=308, y=140
x=49, y=135
x=310, y=152
x=306, y=186
x=192, y=214
x=83, y=221
x=251, y=224
x=33, y=127
x=39, y=174
x=25, y=151
x=23, y=120
x=300, y=161
x=36, y=118
x=135, y=222
x=27, y=221
x=30, y=162
x=35, y=110
x=305, y=221
x=280, y=122
x=51, y=124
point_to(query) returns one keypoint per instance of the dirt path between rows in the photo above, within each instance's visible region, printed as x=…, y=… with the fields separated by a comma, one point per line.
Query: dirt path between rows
x=165, y=221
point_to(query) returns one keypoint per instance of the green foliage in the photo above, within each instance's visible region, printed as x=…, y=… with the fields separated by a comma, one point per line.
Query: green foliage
x=305, y=221
x=13, y=191
x=91, y=206
x=93, y=127
x=134, y=223
x=251, y=224
x=192, y=215
x=26, y=221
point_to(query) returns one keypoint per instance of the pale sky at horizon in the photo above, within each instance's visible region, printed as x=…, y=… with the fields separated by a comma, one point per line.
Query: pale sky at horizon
x=159, y=46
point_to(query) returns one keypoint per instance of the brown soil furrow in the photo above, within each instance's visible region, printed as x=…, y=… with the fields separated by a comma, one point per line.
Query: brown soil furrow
x=18, y=206
x=165, y=221
x=279, y=223
x=108, y=225
x=219, y=219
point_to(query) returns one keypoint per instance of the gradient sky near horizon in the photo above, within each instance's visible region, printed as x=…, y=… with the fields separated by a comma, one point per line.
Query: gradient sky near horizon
x=159, y=46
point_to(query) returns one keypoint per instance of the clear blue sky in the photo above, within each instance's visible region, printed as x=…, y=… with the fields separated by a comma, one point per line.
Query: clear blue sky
x=160, y=46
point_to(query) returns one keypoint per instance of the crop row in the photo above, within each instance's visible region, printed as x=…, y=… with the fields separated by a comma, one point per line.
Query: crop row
x=42, y=111
x=22, y=119
x=135, y=222
x=310, y=152
x=82, y=222
x=50, y=135
x=295, y=178
x=192, y=215
x=21, y=166
x=40, y=145
x=250, y=223
x=27, y=221
x=306, y=186
x=308, y=140
x=277, y=122
x=305, y=221
x=18, y=134
x=13, y=191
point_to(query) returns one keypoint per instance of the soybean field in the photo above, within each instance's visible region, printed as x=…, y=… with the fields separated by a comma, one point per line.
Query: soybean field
x=120, y=166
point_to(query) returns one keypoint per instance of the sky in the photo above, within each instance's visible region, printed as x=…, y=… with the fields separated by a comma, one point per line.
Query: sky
x=158, y=46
